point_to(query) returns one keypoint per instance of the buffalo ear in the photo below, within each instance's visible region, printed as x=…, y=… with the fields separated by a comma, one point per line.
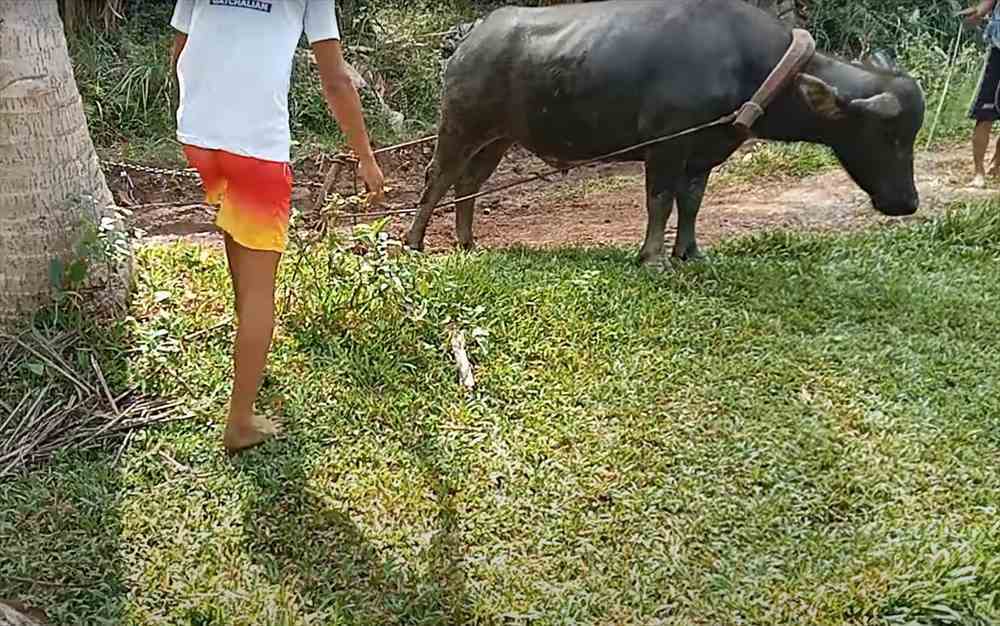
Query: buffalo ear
x=822, y=98
x=884, y=105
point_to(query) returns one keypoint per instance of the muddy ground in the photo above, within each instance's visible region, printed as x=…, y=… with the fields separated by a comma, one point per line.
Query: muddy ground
x=590, y=206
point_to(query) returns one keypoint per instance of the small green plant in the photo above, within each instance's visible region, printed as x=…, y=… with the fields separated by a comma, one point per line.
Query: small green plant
x=99, y=261
x=341, y=281
x=101, y=251
x=975, y=225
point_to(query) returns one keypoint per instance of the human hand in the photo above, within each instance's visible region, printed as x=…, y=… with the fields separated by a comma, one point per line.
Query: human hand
x=978, y=12
x=371, y=173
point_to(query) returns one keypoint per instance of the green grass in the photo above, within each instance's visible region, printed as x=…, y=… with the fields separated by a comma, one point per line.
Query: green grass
x=588, y=188
x=770, y=160
x=802, y=430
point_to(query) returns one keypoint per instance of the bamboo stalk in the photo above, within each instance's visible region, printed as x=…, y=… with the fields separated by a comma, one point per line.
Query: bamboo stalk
x=947, y=86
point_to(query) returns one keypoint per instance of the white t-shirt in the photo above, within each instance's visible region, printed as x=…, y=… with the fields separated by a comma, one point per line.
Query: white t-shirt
x=236, y=67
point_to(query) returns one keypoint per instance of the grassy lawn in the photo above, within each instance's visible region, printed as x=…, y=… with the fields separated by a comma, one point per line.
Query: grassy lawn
x=803, y=430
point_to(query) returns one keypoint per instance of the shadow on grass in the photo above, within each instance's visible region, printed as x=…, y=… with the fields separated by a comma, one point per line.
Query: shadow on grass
x=308, y=543
x=61, y=523
x=60, y=541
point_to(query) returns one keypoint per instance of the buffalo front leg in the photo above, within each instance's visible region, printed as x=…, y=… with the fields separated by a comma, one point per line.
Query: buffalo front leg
x=450, y=159
x=661, y=183
x=689, y=200
x=479, y=170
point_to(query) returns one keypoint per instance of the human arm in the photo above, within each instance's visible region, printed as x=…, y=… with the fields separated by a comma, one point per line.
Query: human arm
x=323, y=33
x=175, y=51
x=979, y=11
x=181, y=23
x=345, y=105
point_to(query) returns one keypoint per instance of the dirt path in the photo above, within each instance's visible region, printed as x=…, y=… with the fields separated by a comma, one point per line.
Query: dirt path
x=592, y=206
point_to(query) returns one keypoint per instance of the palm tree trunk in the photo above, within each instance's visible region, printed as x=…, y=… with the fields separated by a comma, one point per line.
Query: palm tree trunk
x=53, y=195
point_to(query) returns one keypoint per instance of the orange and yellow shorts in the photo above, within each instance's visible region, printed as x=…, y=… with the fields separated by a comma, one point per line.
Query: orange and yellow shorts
x=253, y=196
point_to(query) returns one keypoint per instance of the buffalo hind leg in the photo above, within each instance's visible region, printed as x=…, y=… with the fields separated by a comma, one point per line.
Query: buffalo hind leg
x=477, y=172
x=689, y=199
x=662, y=177
x=450, y=158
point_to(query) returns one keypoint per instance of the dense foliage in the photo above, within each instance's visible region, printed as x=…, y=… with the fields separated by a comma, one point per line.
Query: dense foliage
x=126, y=84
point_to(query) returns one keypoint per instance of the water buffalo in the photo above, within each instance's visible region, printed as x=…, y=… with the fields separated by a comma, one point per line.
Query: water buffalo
x=577, y=81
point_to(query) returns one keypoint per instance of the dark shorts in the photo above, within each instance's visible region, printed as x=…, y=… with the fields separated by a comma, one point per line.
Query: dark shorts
x=985, y=106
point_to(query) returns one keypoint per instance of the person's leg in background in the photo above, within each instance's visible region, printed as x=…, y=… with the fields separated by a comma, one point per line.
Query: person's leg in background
x=980, y=144
x=985, y=112
x=994, y=169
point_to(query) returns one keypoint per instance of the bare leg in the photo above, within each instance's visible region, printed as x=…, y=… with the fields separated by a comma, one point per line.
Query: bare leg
x=253, y=273
x=688, y=204
x=478, y=172
x=980, y=143
x=994, y=170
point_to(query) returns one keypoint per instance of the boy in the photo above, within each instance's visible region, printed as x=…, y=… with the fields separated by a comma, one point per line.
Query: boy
x=233, y=60
x=985, y=107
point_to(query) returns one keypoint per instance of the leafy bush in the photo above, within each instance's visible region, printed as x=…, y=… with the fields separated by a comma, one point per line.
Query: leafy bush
x=124, y=78
x=857, y=27
x=337, y=282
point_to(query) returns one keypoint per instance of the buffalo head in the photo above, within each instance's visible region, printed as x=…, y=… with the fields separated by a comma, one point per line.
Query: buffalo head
x=873, y=133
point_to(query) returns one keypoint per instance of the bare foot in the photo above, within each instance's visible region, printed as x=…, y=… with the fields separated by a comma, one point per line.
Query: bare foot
x=978, y=182
x=246, y=436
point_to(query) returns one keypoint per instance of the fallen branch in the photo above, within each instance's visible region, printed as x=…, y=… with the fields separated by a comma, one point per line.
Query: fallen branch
x=53, y=365
x=126, y=441
x=73, y=408
x=465, y=374
x=104, y=384
x=177, y=465
x=211, y=329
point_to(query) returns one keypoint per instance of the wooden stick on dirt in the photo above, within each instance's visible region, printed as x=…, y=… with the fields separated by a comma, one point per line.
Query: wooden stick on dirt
x=465, y=375
x=104, y=384
x=331, y=178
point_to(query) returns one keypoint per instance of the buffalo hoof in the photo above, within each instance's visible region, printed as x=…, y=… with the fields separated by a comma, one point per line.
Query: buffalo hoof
x=650, y=255
x=414, y=243
x=692, y=253
x=658, y=263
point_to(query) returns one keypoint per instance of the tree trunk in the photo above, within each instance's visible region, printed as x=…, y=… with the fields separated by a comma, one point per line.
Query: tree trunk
x=53, y=196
